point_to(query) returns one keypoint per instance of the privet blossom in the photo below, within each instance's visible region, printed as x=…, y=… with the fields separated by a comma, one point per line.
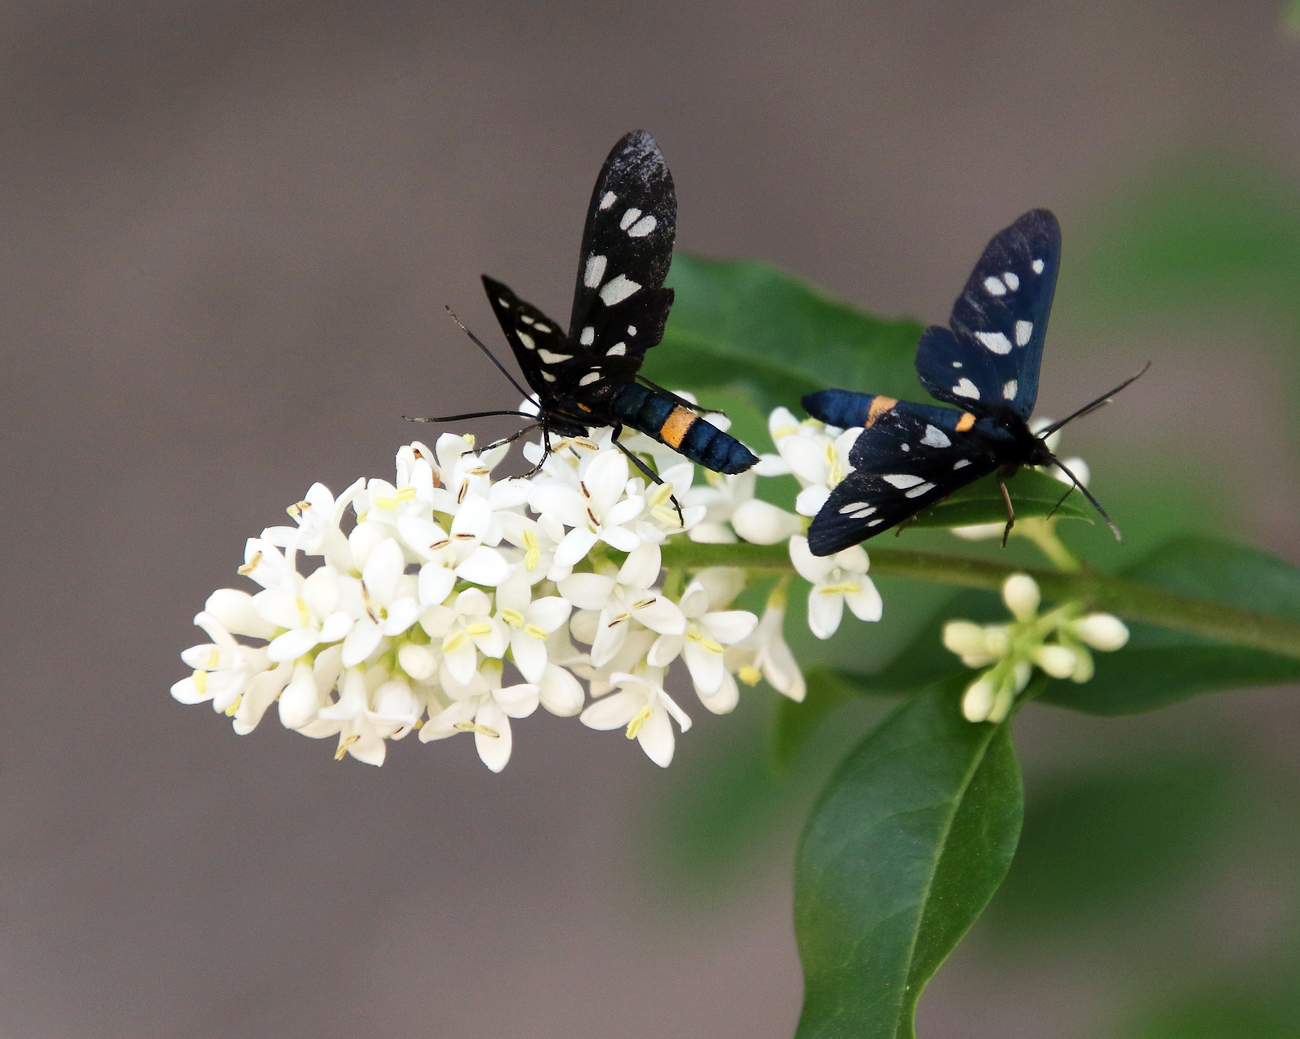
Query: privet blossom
x=450, y=602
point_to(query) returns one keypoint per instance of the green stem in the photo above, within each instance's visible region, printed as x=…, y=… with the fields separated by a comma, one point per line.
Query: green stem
x=1135, y=602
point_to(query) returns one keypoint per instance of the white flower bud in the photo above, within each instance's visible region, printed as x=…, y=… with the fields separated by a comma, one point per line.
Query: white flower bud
x=978, y=701
x=1102, y=631
x=1057, y=661
x=761, y=523
x=965, y=639
x=1020, y=593
x=417, y=661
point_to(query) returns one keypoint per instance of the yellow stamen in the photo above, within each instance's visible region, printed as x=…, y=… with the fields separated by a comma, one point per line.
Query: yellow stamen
x=233, y=709
x=640, y=718
x=532, y=551
x=298, y=508
x=533, y=631
x=482, y=730
x=201, y=682
x=304, y=614
x=844, y=588
x=749, y=674
x=344, y=743
x=214, y=659
x=478, y=630
x=251, y=565
x=454, y=641
x=513, y=617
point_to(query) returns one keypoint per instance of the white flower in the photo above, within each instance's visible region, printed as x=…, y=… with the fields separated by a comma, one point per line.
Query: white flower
x=466, y=628
x=764, y=653
x=485, y=709
x=529, y=623
x=596, y=510
x=707, y=634
x=836, y=580
x=388, y=597
x=642, y=705
x=622, y=597
x=306, y=609
x=398, y=606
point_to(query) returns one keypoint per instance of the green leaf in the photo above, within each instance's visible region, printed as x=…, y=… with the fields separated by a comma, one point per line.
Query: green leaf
x=743, y=324
x=1159, y=666
x=1032, y=492
x=908, y=843
x=1115, y=840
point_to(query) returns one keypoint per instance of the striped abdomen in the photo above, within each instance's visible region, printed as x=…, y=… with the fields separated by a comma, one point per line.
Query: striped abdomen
x=660, y=417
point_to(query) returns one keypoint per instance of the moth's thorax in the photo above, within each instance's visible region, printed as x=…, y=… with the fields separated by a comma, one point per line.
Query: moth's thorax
x=1010, y=440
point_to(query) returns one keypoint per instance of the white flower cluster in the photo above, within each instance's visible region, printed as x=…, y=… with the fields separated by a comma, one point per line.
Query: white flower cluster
x=397, y=607
x=1057, y=642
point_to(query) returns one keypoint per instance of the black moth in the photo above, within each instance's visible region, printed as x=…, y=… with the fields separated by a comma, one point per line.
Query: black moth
x=910, y=456
x=589, y=377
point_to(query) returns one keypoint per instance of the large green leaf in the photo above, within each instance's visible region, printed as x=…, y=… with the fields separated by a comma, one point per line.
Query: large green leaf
x=908, y=843
x=743, y=324
x=1160, y=666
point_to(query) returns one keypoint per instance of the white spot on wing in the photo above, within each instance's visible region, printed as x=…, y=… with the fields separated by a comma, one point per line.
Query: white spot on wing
x=642, y=227
x=995, y=341
x=857, y=510
x=608, y=199
x=902, y=480
x=589, y=378
x=935, y=437
x=1037, y=266
x=617, y=350
x=550, y=357
x=916, y=492
x=594, y=271
x=966, y=388
x=956, y=364
x=544, y=329
x=525, y=338
x=631, y=330
x=1009, y=389
x=961, y=463
x=527, y=320
x=547, y=376
x=629, y=218
x=906, y=447
x=618, y=289
x=1012, y=279
x=993, y=286
x=588, y=335
x=1024, y=329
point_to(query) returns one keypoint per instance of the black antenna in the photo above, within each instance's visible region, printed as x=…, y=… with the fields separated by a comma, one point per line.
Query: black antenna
x=1100, y=402
x=501, y=368
x=1087, y=494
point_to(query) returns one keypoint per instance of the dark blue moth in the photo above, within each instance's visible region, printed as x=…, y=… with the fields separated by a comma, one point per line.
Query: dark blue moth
x=910, y=456
x=589, y=377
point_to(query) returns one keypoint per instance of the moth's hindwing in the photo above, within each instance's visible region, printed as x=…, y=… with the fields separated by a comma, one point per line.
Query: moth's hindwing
x=988, y=360
x=909, y=457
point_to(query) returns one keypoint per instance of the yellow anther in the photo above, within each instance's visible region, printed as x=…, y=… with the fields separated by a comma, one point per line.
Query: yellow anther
x=533, y=631
x=454, y=641
x=749, y=674
x=251, y=565
x=233, y=709
x=201, y=682
x=704, y=642
x=641, y=604
x=480, y=629
x=304, y=614
x=784, y=431
x=532, y=551
x=482, y=730
x=298, y=508
x=513, y=617
x=640, y=718
x=843, y=588
x=344, y=743
x=214, y=659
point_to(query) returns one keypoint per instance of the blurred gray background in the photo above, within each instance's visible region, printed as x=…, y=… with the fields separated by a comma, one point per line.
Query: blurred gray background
x=229, y=232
